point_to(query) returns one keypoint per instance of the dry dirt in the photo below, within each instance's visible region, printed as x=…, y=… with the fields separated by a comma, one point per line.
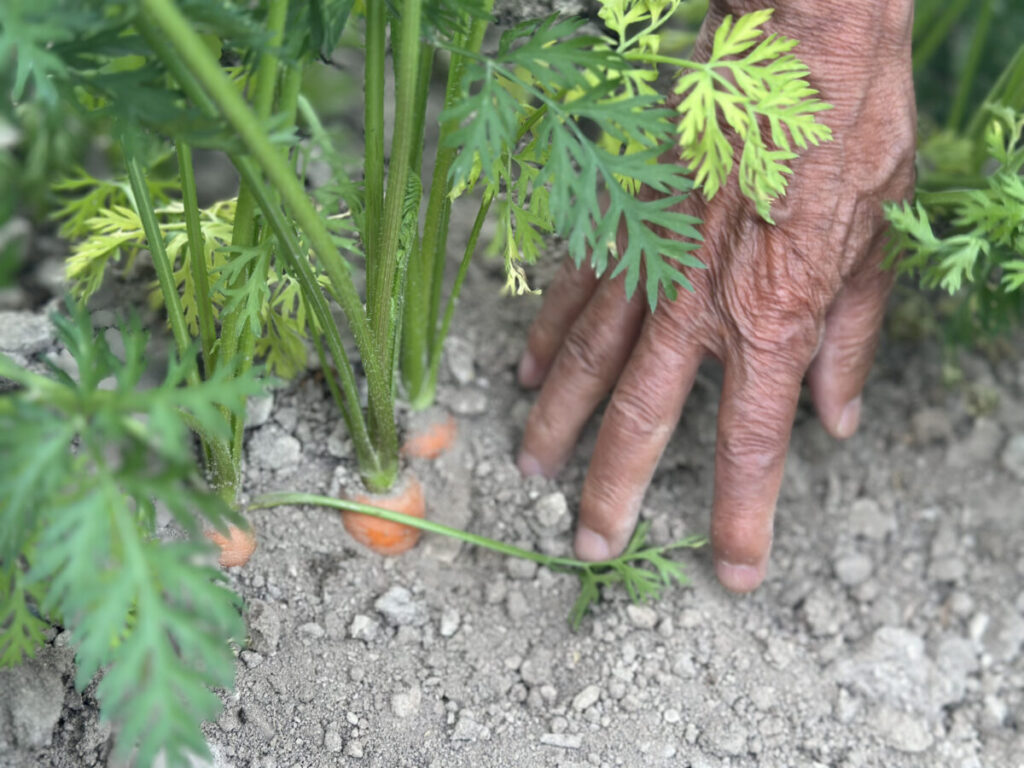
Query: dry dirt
x=889, y=632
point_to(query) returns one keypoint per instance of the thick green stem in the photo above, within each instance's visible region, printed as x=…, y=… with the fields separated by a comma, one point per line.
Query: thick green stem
x=197, y=253
x=183, y=42
x=426, y=269
x=380, y=288
x=460, y=278
x=375, y=472
x=155, y=240
x=974, y=57
x=373, y=117
x=938, y=33
x=236, y=334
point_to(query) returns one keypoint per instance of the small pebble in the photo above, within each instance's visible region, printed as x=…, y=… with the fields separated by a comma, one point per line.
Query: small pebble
x=853, y=569
x=517, y=606
x=313, y=630
x=552, y=512
x=332, y=739
x=642, y=616
x=562, y=740
x=407, y=703
x=399, y=608
x=1012, y=457
x=364, y=628
x=672, y=716
x=867, y=519
x=586, y=698
x=450, y=621
x=522, y=570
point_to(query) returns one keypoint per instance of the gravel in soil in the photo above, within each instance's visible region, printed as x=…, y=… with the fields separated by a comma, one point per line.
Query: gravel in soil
x=889, y=632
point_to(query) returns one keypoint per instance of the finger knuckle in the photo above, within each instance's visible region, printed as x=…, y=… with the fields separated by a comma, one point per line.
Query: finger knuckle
x=581, y=350
x=633, y=412
x=754, y=450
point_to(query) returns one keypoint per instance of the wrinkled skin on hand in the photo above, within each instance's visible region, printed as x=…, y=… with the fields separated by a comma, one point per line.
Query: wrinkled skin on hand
x=776, y=305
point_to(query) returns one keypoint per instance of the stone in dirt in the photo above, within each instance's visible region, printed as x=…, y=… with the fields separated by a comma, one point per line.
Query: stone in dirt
x=867, y=519
x=853, y=568
x=562, y=740
x=32, y=700
x=272, y=448
x=894, y=670
x=264, y=627
x=364, y=628
x=257, y=411
x=586, y=698
x=407, y=703
x=25, y=333
x=459, y=356
x=642, y=616
x=399, y=608
x=901, y=730
x=1012, y=458
x=551, y=512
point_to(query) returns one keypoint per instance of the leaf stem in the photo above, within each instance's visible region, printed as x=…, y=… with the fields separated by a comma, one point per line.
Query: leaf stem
x=420, y=340
x=155, y=240
x=460, y=277
x=165, y=21
x=197, y=253
x=269, y=500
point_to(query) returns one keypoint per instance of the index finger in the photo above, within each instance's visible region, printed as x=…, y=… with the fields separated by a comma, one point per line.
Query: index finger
x=755, y=419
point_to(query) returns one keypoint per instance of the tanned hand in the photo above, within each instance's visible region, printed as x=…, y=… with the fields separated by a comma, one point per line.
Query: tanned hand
x=777, y=304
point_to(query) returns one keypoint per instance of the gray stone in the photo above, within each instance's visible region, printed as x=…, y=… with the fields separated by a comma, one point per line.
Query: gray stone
x=32, y=700
x=822, y=613
x=520, y=569
x=642, y=616
x=536, y=668
x=586, y=698
x=272, y=448
x=1012, y=458
x=947, y=569
x=257, y=410
x=726, y=736
x=450, y=621
x=979, y=447
x=264, y=627
x=399, y=608
x=517, y=605
x=339, y=444
x=867, y=519
x=468, y=729
x=901, y=730
x=931, y=425
x=313, y=630
x=1004, y=635
x=551, y=512
x=407, y=703
x=364, y=628
x=957, y=657
x=25, y=333
x=459, y=357
x=562, y=740
x=853, y=568
x=468, y=402
x=894, y=670
x=332, y=738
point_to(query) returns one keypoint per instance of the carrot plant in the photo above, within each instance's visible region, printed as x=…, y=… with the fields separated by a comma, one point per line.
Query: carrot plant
x=535, y=130
x=964, y=233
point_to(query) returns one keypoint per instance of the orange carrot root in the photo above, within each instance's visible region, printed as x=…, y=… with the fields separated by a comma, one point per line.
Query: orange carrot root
x=431, y=442
x=383, y=536
x=236, y=548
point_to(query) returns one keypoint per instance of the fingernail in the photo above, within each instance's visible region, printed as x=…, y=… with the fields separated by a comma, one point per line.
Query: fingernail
x=528, y=372
x=740, y=577
x=591, y=545
x=849, y=419
x=529, y=465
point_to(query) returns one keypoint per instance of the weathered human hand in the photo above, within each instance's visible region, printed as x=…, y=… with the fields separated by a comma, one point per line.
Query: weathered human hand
x=775, y=304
